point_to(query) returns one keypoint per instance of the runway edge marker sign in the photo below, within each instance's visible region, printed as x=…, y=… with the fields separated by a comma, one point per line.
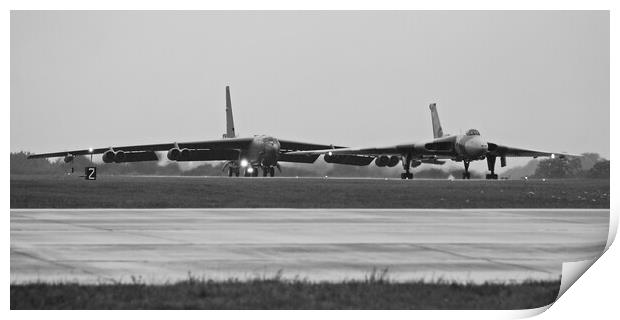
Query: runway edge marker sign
x=90, y=173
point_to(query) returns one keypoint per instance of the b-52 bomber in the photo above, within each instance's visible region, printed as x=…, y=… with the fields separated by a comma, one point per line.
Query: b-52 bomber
x=466, y=147
x=242, y=155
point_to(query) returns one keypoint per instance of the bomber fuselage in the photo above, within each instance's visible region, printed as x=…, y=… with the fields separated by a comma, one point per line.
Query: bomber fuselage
x=469, y=146
x=263, y=151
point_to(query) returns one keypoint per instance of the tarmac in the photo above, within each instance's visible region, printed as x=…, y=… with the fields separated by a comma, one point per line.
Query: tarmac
x=166, y=245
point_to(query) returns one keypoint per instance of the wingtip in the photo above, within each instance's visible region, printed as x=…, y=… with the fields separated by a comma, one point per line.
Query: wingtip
x=567, y=155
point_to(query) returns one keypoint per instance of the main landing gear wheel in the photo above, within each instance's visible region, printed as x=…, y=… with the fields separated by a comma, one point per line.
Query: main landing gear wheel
x=255, y=172
x=231, y=171
x=406, y=175
x=466, y=175
x=265, y=171
x=491, y=165
x=272, y=171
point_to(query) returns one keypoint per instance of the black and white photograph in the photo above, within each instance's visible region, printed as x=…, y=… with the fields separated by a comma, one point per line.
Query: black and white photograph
x=302, y=160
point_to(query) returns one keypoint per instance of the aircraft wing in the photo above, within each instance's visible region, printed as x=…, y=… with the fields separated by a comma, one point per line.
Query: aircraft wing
x=234, y=143
x=506, y=151
x=293, y=151
x=363, y=156
x=288, y=146
x=391, y=150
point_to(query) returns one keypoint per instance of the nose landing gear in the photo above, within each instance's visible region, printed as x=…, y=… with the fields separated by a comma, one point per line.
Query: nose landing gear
x=271, y=171
x=466, y=174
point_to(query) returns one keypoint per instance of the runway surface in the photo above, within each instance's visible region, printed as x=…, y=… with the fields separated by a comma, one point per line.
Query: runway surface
x=157, y=246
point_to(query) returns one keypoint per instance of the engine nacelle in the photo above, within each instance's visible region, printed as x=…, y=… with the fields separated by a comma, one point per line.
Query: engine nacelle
x=119, y=156
x=382, y=161
x=185, y=154
x=393, y=161
x=69, y=157
x=348, y=159
x=415, y=163
x=108, y=156
x=174, y=154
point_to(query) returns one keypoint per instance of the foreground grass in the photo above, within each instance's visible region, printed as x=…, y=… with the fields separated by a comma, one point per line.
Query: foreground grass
x=205, y=192
x=281, y=294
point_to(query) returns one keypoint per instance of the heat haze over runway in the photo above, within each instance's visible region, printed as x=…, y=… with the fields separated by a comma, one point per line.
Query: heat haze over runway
x=160, y=245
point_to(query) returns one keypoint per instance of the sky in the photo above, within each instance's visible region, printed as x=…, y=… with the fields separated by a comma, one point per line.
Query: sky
x=528, y=79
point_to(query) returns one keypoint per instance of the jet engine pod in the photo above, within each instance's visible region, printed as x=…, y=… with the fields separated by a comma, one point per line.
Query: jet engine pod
x=185, y=154
x=348, y=159
x=415, y=163
x=108, y=156
x=393, y=161
x=174, y=154
x=382, y=161
x=119, y=156
x=69, y=157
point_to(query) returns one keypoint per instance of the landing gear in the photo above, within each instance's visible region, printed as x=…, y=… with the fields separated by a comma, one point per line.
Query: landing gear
x=271, y=171
x=466, y=174
x=491, y=166
x=250, y=172
x=407, y=166
x=232, y=167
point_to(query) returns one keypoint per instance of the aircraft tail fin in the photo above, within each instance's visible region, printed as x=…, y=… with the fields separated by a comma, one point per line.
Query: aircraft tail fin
x=437, y=130
x=230, y=124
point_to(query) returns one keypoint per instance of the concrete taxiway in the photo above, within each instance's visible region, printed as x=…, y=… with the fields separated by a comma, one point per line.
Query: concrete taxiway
x=158, y=246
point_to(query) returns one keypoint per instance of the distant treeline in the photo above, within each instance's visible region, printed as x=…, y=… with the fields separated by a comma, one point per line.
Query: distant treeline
x=588, y=166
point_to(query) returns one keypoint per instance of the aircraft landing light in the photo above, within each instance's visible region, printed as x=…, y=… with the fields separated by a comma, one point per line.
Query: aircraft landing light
x=244, y=163
x=553, y=156
x=90, y=150
x=250, y=169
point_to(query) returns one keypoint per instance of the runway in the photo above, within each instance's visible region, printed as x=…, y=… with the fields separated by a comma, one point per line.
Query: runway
x=164, y=245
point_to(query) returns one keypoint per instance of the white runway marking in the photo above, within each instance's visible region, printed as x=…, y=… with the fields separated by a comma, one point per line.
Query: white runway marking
x=100, y=245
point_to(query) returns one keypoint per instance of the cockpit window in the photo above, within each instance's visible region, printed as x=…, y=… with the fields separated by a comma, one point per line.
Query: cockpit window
x=472, y=132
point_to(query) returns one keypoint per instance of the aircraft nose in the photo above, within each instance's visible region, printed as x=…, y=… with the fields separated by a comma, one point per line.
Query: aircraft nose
x=484, y=147
x=271, y=150
x=477, y=147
